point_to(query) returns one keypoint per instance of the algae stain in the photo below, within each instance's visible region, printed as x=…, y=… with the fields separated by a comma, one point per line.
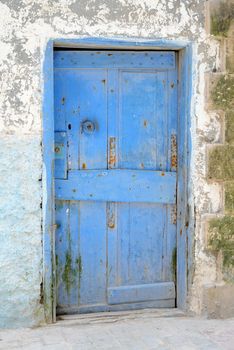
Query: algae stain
x=221, y=19
x=174, y=263
x=222, y=239
x=71, y=272
x=229, y=129
x=229, y=198
x=67, y=272
x=221, y=163
x=79, y=268
x=223, y=92
x=79, y=264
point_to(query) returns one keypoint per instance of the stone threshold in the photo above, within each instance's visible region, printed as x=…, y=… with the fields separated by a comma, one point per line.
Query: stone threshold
x=116, y=316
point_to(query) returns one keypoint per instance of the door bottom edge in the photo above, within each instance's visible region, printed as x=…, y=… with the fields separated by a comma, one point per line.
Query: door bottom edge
x=113, y=316
x=87, y=309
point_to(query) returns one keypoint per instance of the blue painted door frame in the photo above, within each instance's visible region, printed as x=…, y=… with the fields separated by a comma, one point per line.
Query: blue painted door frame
x=184, y=214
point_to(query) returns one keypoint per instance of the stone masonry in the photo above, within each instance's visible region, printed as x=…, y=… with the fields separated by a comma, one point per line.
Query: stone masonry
x=218, y=299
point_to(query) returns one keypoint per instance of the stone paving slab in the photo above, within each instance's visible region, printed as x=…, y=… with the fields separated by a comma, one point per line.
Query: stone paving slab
x=131, y=331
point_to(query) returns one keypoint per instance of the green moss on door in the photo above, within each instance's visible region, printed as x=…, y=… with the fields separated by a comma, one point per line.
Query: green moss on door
x=71, y=271
x=68, y=272
x=174, y=263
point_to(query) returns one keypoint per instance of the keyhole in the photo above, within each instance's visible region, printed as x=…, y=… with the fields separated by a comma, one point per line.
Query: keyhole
x=87, y=127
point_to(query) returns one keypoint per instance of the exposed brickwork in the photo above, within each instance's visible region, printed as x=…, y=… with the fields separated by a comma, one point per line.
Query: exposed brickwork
x=229, y=197
x=230, y=55
x=222, y=13
x=223, y=92
x=229, y=127
x=221, y=163
x=222, y=238
x=221, y=157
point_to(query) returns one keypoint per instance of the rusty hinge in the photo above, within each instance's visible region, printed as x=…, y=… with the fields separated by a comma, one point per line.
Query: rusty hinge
x=111, y=215
x=112, y=152
x=173, y=152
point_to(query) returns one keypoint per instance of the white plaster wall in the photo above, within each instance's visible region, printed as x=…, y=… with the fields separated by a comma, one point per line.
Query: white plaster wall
x=25, y=28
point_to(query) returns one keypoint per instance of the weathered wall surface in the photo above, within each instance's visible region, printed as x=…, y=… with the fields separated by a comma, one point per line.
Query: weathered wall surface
x=218, y=297
x=25, y=28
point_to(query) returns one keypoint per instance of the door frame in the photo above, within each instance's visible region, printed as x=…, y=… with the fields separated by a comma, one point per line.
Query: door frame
x=185, y=207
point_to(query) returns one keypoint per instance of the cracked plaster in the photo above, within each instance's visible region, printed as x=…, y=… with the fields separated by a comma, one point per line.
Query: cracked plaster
x=25, y=28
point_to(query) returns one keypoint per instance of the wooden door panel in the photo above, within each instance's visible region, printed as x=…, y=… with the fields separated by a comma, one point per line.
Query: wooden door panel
x=115, y=179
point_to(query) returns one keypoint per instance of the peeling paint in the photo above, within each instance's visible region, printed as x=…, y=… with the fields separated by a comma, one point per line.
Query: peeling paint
x=26, y=27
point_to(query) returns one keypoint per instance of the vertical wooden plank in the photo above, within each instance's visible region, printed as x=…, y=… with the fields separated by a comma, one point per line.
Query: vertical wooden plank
x=147, y=228
x=112, y=208
x=68, y=262
x=67, y=111
x=112, y=110
x=170, y=248
x=169, y=245
x=75, y=267
x=72, y=116
x=61, y=79
x=184, y=216
x=93, y=155
x=161, y=111
x=93, y=253
x=62, y=210
x=60, y=155
x=137, y=120
x=123, y=244
x=92, y=95
x=172, y=106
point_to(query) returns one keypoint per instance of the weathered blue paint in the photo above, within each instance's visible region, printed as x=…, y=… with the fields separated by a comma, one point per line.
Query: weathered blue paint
x=118, y=186
x=60, y=152
x=185, y=221
x=140, y=293
x=122, y=178
x=106, y=59
x=185, y=240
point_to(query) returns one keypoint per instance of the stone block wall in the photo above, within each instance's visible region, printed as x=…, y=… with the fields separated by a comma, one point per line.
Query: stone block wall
x=218, y=297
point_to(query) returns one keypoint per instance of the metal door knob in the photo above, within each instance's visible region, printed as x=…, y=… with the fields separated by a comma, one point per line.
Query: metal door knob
x=87, y=127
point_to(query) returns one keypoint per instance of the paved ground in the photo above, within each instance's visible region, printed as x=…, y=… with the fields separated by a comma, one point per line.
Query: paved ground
x=147, y=330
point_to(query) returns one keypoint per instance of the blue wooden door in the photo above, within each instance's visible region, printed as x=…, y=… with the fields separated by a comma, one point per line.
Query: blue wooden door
x=115, y=179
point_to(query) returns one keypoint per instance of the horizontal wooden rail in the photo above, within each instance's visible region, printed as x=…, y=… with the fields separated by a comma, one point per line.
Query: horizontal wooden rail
x=109, y=59
x=118, y=186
